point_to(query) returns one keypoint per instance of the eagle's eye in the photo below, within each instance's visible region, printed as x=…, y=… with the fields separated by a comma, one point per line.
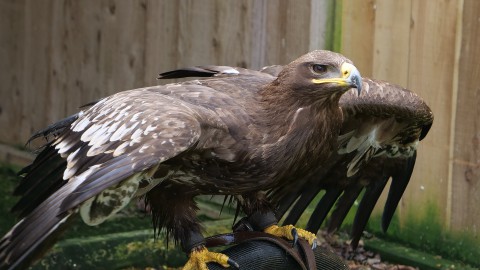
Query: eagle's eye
x=319, y=69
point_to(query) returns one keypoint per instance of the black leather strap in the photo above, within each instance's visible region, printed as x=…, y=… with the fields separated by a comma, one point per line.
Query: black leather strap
x=262, y=220
x=195, y=239
x=306, y=262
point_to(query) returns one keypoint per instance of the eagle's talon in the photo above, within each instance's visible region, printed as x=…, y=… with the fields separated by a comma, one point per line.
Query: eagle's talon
x=200, y=256
x=292, y=233
x=315, y=243
x=295, y=236
x=233, y=263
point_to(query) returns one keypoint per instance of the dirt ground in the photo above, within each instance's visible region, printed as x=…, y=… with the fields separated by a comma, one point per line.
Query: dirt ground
x=359, y=259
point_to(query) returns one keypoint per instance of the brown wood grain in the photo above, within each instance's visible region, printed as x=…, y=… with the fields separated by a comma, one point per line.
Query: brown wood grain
x=416, y=44
x=358, y=29
x=12, y=25
x=431, y=71
x=465, y=213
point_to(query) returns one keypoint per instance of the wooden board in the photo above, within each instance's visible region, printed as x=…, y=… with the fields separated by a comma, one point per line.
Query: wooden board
x=431, y=68
x=391, y=41
x=465, y=199
x=63, y=54
x=413, y=43
x=358, y=28
x=11, y=48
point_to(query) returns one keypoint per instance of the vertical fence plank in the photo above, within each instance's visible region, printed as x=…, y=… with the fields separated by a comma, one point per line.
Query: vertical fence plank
x=391, y=41
x=12, y=16
x=97, y=49
x=291, y=21
x=358, y=31
x=466, y=155
x=431, y=70
x=197, y=33
x=412, y=43
x=391, y=45
x=161, y=39
x=34, y=85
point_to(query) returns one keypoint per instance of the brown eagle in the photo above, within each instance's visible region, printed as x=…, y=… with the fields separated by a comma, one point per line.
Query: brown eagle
x=231, y=135
x=377, y=142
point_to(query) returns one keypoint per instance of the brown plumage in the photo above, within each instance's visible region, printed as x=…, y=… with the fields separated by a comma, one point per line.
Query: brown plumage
x=232, y=135
x=377, y=142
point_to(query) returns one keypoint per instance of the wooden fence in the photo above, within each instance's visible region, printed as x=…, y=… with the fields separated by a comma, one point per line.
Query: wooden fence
x=433, y=48
x=57, y=55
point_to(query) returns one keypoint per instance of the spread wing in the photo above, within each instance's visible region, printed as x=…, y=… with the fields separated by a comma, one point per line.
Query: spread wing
x=104, y=151
x=378, y=142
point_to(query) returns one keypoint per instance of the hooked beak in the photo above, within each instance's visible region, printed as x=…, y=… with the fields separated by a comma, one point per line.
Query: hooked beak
x=350, y=76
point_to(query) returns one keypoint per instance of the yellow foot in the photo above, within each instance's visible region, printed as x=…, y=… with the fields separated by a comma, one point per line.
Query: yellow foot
x=200, y=256
x=292, y=233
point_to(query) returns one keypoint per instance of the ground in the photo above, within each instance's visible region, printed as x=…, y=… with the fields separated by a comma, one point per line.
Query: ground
x=359, y=259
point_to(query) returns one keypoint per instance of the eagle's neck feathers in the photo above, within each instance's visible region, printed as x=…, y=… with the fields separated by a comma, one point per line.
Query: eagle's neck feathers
x=296, y=135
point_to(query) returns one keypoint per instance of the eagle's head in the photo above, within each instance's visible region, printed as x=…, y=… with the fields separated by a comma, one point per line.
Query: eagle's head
x=320, y=75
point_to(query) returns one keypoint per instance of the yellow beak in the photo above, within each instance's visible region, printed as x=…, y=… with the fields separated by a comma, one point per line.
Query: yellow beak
x=350, y=77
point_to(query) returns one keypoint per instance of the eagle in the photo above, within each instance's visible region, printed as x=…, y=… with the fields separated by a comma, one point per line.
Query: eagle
x=378, y=141
x=239, y=135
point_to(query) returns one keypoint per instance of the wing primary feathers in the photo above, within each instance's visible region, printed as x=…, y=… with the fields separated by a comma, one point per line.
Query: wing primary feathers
x=39, y=163
x=322, y=209
x=42, y=179
x=365, y=208
x=397, y=188
x=342, y=207
x=41, y=190
x=285, y=203
x=301, y=204
x=26, y=239
x=425, y=130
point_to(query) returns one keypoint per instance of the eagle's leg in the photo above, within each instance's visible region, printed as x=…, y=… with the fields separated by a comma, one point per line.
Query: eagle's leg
x=198, y=255
x=174, y=209
x=262, y=218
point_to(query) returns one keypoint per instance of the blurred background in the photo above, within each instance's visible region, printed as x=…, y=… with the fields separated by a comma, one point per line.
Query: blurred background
x=56, y=55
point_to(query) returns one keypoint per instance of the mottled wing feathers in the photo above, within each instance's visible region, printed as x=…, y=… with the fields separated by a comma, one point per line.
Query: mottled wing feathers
x=378, y=141
x=119, y=137
x=384, y=120
x=123, y=135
